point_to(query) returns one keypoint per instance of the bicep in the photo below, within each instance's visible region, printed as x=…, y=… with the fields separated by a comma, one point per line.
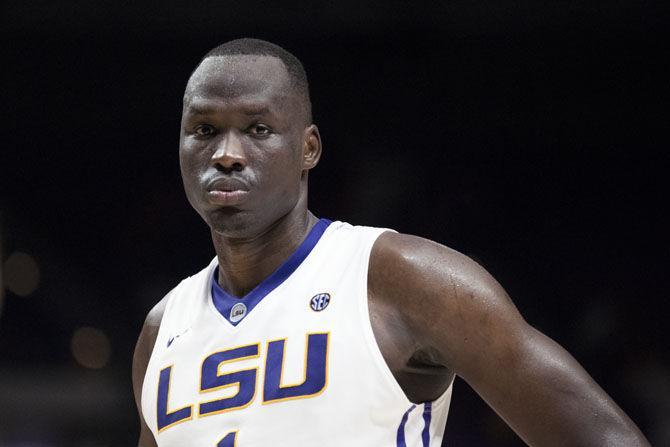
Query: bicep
x=450, y=304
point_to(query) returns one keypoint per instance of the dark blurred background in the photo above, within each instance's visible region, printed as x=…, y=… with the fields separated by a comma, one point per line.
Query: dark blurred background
x=530, y=135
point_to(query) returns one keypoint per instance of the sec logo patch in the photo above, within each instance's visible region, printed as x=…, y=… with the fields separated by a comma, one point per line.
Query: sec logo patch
x=319, y=302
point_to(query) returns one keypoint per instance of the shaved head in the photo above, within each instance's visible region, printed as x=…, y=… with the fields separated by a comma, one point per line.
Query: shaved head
x=297, y=79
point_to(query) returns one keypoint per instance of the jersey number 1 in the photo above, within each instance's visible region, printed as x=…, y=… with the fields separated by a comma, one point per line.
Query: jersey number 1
x=230, y=440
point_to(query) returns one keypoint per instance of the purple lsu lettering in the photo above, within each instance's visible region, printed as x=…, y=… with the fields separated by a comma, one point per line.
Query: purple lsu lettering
x=316, y=378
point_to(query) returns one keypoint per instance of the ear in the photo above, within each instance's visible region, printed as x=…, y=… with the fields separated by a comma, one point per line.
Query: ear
x=311, y=148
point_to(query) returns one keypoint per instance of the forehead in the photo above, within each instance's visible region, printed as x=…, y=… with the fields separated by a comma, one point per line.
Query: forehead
x=239, y=77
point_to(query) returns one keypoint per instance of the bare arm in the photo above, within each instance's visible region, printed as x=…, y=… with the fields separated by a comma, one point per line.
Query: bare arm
x=456, y=310
x=143, y=348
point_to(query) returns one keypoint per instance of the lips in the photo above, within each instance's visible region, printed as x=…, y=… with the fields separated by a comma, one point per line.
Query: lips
x=226, y=184
x=226, y=191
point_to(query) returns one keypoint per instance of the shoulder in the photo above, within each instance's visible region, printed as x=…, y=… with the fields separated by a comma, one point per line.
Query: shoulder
x=153, y=320
x=405, y=260
x=147, y=338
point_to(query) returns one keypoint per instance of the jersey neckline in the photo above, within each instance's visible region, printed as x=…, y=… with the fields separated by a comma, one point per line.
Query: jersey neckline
x=236, y=309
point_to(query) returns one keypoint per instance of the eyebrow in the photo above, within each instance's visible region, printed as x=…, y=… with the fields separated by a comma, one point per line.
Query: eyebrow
x=258, y=110
x=248, y=109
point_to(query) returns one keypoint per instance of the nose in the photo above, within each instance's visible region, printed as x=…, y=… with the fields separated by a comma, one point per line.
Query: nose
x=229, y=154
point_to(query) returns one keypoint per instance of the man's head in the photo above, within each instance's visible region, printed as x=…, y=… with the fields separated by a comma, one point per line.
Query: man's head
x=247, y=140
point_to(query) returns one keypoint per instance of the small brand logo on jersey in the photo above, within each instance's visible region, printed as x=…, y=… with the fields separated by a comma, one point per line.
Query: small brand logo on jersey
x=174, y=337
x=238, y=312
x=319, y=302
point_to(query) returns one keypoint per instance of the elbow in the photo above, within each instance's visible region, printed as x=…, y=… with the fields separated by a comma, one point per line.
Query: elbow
x=625, y=435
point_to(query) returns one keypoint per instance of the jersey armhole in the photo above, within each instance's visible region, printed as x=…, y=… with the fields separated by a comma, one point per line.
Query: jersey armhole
x=370, y=339
x=439, y=405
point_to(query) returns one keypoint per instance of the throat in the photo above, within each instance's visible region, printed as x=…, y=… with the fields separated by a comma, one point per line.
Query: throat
x=245, y=263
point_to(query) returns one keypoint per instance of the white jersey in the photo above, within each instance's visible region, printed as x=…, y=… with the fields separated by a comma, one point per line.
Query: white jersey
x=293, y=363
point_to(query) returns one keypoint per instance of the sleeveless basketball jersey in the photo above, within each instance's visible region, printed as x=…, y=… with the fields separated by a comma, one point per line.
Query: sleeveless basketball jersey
x=294, y=363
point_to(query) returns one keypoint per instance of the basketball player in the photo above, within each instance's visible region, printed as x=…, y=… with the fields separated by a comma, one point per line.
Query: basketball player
x=306, y=332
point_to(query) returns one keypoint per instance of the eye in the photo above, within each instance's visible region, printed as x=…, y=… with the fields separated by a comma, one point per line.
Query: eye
x=203, y=130
x=260, y=130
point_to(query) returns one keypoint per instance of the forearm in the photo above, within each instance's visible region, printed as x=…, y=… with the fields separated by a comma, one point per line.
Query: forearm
x=549, y=399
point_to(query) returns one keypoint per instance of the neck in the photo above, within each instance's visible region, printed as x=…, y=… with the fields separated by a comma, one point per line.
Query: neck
x=245, y=263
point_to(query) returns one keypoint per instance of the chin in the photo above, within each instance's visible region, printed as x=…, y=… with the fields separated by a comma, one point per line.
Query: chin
x=231, y=222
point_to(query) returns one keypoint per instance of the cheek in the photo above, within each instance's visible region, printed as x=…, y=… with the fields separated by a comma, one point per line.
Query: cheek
x=191, y=159
x=282, y=175
x=188, y=164
x=291, y=166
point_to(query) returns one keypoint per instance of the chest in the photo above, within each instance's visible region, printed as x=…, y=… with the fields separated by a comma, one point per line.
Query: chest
x=305, y=349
